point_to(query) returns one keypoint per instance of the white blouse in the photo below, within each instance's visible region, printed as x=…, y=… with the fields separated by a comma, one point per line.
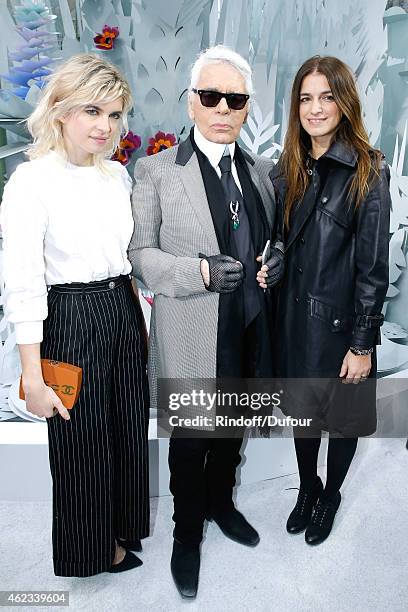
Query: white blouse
x=61, y=223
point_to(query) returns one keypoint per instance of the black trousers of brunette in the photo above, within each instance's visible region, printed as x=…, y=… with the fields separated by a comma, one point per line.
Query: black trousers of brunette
x=98, y=459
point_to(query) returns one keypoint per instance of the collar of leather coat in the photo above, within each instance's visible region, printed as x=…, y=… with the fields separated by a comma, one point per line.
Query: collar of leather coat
x=342, y=152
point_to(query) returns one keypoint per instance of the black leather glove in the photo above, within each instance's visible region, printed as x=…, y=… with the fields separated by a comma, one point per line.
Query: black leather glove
x=226, y=274
x=276, y=268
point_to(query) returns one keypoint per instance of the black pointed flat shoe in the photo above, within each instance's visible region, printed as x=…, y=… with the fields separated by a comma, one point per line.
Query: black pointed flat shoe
x=130, y=561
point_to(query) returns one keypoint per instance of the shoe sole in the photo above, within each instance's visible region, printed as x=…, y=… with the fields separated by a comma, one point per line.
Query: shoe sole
x=294, y=533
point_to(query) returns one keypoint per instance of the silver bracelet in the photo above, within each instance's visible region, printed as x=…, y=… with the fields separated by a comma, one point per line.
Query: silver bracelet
x=358, y=351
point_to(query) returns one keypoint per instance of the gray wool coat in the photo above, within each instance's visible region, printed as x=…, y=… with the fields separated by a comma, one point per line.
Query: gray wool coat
x=173, y=224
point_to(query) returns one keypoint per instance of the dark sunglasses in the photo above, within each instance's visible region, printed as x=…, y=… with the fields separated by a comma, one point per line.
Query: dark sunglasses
x=210, y=99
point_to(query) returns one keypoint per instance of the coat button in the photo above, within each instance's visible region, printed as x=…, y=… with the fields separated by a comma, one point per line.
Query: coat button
x=325, y=200
x=300, y=270
x=111, y=285
x=302, y=240
x=336, y=322
x=297, y=300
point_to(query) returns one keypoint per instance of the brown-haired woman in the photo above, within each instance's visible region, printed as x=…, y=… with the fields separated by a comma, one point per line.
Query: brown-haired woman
x=334, y=192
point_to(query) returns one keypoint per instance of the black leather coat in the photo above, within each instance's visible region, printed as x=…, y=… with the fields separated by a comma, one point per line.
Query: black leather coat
x=336, y=274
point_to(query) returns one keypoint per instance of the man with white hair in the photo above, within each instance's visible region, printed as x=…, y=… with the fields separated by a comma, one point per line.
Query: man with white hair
x=204, y=211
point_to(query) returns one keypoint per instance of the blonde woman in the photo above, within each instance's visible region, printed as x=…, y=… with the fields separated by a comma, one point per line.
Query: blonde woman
x=67, y=222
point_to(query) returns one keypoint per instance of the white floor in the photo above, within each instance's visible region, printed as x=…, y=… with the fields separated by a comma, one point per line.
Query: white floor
x=362, y=567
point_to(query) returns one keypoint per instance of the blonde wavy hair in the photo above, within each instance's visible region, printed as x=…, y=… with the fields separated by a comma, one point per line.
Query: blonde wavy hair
x=77, y=83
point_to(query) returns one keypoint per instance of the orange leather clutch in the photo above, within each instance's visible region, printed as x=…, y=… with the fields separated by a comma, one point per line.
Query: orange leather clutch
x=64, y=378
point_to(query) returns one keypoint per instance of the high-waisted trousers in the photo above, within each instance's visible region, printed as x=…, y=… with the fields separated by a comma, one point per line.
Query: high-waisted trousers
x=99, y=458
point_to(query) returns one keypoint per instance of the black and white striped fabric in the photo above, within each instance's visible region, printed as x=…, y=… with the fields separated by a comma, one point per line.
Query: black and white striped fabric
x=98, y=459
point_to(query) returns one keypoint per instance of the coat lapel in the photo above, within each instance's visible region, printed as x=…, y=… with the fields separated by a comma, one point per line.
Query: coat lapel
x=305, y=209
x=190, y=174
x=340, y=152
x=255, y=178
x=265, y=196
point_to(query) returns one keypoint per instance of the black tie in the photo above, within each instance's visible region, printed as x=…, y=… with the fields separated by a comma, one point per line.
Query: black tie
x=231, y=190
x=242, y=237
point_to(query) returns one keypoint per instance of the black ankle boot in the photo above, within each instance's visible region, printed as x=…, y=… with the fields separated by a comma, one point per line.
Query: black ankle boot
x=301, y=514
x=322, y=520
x=185, y=568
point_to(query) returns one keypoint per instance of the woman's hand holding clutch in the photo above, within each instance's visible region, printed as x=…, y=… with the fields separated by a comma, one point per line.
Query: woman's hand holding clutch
x=42, y=400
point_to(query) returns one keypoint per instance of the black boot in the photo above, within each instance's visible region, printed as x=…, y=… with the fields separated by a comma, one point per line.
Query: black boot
x=234, y=525
x=301, y=514
x=185, y=568
x=321, y=524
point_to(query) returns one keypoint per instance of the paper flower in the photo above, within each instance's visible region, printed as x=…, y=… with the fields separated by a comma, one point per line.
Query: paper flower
x=160, y=142
x=130, y=142
x=149, y=297
x=107, y=38
x=127, y=145
x=121, y=156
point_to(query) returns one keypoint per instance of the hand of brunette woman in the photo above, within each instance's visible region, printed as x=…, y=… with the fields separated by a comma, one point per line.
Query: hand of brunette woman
x=355, y=368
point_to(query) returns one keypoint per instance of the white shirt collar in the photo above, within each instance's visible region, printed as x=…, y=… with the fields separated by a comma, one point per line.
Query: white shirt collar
x=212, y=150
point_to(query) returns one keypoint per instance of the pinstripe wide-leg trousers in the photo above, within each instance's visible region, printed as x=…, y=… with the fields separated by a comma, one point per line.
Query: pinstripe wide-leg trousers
x=98, y=459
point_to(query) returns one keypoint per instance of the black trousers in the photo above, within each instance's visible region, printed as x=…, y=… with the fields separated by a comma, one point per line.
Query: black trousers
x=98, y=459
x=202, y=469
x=201, y=482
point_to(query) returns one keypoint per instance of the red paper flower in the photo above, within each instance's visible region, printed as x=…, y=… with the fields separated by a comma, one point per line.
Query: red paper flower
x=130, y=142
x=106, y=39
x=127, y=145
x=121, y=156
x=160, y=142
x=148, y=298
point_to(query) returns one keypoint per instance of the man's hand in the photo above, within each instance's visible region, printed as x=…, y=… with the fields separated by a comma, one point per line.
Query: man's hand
x=355, y=368
x=272, y=271
x=221, y=273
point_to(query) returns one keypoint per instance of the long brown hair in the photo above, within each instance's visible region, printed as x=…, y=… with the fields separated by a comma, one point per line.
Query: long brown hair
x=350, y=129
